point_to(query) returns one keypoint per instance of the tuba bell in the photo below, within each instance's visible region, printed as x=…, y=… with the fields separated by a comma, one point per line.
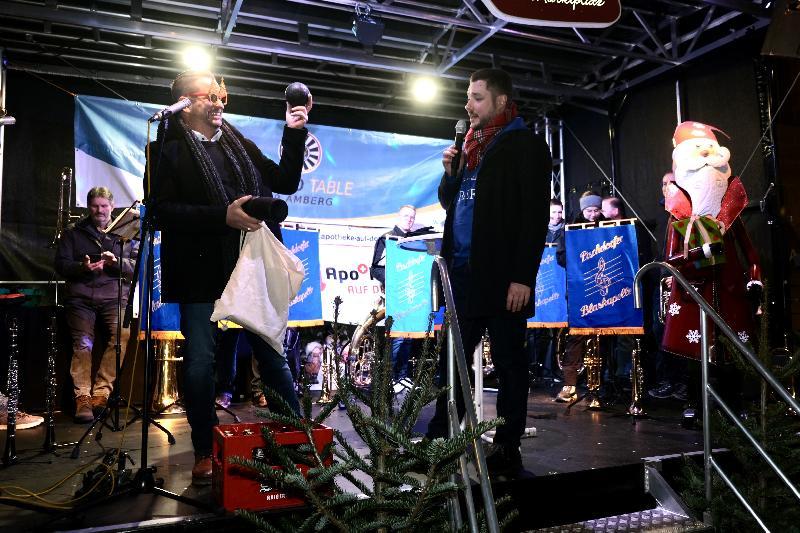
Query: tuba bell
x=362, y=349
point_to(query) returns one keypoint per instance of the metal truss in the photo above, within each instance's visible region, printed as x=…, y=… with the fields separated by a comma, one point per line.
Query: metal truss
x=262, y=45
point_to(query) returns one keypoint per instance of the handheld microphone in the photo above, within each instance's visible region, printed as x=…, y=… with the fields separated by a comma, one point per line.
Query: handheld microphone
x=461, y=129
x=297, y=94
x=7, y=121
x=167, y=111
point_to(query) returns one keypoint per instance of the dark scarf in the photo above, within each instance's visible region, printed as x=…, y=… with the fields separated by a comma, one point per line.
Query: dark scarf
x=243, y=169
x=476, y=141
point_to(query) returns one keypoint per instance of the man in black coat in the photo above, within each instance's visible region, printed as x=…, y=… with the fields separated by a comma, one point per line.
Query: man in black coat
x=497, y=206
x=204, y=171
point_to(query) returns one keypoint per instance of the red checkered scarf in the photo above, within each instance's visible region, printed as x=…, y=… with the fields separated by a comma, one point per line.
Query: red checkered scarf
x=476, y=141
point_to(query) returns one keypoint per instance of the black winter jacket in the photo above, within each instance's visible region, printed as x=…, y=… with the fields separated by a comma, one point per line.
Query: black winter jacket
x=195, y=238
x=84, y=239
x=512, y=208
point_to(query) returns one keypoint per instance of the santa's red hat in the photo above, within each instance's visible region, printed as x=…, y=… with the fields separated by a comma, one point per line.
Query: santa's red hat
x=694, y=130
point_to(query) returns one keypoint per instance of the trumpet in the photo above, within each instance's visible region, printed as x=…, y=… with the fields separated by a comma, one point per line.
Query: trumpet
x=593, y=360
x=637, y=381
x=329, y=366
x=488, y=365
x=65, y=216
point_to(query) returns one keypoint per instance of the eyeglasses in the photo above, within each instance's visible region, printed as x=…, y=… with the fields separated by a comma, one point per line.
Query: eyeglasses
x=213, y=97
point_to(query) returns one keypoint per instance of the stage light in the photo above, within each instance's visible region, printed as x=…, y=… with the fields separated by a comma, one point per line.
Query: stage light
x=196, y=58
x=367, y=29
x=424, y=89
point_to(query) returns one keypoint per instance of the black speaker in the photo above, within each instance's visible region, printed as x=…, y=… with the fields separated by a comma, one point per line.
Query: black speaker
x=783, y=35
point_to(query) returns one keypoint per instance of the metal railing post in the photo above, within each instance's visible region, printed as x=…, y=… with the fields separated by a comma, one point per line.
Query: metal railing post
x=706, y=312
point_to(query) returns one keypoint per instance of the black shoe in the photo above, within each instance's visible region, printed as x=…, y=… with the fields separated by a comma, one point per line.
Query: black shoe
x=503, y=460
x=662, y=390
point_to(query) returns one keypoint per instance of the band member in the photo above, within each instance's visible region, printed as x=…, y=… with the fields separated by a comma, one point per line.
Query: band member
x=401, y=348
x=497, y=213
x=90, y=261
x=204, y=171
x=590, y=204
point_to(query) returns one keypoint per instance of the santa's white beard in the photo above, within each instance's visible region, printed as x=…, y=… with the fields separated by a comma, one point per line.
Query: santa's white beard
x=705, y=188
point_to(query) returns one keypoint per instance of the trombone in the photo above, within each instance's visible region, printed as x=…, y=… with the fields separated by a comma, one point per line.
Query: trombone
x=65, y=216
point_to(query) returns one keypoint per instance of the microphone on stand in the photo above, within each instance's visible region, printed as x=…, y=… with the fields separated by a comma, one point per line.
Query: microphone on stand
x=461, y=130
x=168, y=111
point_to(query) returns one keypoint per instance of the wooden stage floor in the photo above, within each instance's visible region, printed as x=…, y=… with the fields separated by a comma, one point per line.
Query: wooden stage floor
x=574, y=442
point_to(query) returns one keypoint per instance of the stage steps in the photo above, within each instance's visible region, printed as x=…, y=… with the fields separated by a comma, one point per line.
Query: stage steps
x=650, y=520
x=633, y=497
x=668, y=516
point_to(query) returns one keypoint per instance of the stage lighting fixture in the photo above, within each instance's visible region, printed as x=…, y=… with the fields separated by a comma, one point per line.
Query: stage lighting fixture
x=424, y=90
x=367, y=29
x=196, y=58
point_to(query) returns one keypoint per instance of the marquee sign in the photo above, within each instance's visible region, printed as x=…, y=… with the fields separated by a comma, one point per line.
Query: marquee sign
x=562, y=13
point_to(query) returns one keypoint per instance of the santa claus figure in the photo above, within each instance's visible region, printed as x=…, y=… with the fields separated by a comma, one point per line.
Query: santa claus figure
x=704, y=234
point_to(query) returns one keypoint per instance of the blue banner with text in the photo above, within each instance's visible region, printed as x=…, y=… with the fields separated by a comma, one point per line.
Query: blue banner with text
x=601, y=264
x=550, y=294
x=408, y=293
x=306, y=308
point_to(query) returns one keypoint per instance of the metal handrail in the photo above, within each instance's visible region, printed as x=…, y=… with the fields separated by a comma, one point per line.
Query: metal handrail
x=708, y=461
x=455, y=354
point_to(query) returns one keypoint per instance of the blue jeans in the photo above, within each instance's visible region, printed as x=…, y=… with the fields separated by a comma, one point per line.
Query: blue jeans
x=401, y=352
x=82, y=317
x=198, y=372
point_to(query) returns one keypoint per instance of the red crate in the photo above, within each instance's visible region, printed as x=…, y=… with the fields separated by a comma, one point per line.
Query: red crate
x=235, y=487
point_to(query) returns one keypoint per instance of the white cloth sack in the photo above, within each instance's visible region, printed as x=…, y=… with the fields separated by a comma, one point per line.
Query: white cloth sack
x=266, y=278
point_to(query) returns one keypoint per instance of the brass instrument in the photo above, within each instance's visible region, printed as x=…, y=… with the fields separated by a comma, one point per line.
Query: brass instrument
x=637, y=381
x=166, y=400
x=362, y=349
x=65, y=216
x=329, y=367
x=593, y=361
x=488, y=365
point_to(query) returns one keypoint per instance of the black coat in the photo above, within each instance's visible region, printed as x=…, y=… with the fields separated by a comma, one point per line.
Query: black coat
x=84, y=239
x=512, y=208
x=195, y=240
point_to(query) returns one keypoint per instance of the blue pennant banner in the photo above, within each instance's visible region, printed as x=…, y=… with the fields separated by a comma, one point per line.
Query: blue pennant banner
x=408, y=290
x=306, y=308
x=166, y=316
x=601, y=264
x=550, y=294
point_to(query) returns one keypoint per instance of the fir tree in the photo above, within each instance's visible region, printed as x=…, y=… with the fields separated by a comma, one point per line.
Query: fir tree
x=396, y=499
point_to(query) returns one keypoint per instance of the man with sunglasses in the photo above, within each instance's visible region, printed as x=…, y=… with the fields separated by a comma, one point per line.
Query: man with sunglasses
x=203, y=171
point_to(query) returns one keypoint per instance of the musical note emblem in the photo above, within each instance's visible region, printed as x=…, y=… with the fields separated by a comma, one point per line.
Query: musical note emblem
x=601, y=280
